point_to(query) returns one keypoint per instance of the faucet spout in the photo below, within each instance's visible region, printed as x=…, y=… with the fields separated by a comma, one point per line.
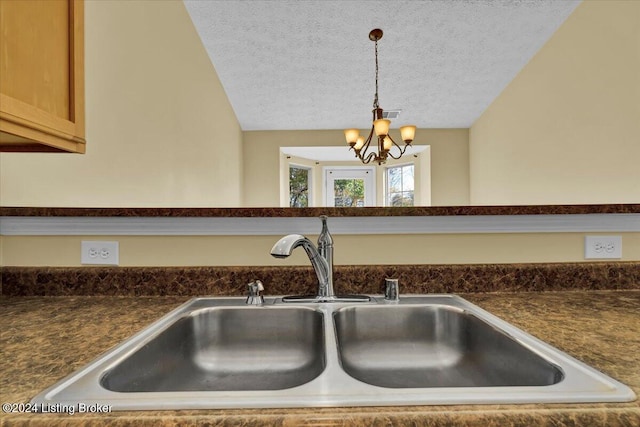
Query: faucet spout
x=285, y=246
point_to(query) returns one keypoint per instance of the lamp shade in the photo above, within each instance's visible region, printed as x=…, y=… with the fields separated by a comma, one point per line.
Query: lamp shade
x=408, y=133
x=351, y=135
x=381, y=126
x=359, y=143
x=386, y=144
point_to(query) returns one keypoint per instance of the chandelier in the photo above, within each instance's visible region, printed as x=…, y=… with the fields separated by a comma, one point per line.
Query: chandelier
x=386, y=145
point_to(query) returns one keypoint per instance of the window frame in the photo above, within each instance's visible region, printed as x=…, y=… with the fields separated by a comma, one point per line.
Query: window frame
x=346, y=172
x=387, y=200
x=309, y=169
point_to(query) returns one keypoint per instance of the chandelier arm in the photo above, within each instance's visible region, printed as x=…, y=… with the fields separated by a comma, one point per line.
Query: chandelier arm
x=366, y=145
x=368, y=159
x=402, y=150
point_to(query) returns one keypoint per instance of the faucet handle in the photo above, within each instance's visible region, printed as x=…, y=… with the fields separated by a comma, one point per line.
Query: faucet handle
x=255, y=293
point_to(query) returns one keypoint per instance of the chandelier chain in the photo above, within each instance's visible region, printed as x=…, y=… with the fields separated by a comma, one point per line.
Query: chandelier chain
x=375, y=99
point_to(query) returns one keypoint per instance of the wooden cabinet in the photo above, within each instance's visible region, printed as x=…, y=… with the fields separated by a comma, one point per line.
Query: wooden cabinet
x=42, y=75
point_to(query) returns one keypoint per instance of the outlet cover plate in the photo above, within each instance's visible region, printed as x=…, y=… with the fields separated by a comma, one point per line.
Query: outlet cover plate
x=601, y=247
x=96, y=252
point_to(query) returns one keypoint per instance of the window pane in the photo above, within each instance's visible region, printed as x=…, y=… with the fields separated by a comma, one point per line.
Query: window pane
x=400, y=186
x=407, y=178
x=394, y=179
x=298, y=187
x=348, y=192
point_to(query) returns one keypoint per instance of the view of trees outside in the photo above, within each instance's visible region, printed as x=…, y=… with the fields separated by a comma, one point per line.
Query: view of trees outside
x=298, y=187
x=400, y=186
x=349, y=192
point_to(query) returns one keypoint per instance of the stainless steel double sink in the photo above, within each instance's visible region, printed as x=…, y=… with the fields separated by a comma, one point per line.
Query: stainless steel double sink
x=421, y=350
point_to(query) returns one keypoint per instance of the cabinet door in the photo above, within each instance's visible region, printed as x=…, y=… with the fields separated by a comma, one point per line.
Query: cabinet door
x=42, y=75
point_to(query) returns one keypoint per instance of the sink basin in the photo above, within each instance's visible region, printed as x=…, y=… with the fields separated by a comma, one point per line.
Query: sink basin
x=226, y=349
x=422, y=350
x=434, y=346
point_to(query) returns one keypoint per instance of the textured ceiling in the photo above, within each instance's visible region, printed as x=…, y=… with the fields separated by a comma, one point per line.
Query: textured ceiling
x=310, y=64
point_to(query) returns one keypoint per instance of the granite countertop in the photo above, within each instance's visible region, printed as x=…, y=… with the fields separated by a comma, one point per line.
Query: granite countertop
x=46, y=338
x=333, y=212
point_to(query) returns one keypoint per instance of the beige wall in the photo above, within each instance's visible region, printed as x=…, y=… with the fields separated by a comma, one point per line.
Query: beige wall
x=349, y=249
x=567, y=128
x=449, y=166
x=155, y=115
x=449, y=153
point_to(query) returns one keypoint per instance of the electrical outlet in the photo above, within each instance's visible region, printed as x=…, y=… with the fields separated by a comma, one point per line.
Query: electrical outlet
x=602, y=247
x=99, y=252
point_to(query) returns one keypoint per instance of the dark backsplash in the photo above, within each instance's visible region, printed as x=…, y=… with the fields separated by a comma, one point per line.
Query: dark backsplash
x=203, y=281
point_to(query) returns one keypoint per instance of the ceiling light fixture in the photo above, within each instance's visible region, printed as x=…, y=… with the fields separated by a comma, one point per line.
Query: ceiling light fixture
x=380, y=127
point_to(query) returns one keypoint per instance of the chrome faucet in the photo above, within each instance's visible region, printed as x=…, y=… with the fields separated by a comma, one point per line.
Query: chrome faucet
x=287, y=244
x=322, y=261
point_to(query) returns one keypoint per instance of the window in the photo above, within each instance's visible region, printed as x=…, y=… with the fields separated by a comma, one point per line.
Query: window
x=299, y=187
x=400, y=188
x=350, y=186
x=348, y=193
